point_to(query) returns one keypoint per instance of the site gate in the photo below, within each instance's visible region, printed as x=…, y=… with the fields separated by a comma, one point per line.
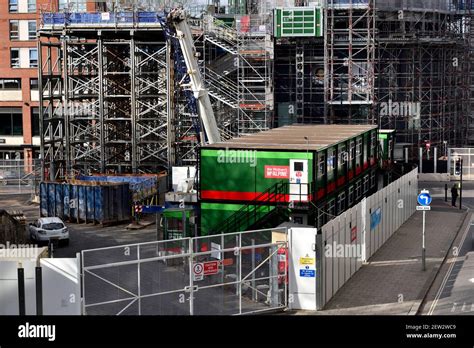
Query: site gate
x=229, y=274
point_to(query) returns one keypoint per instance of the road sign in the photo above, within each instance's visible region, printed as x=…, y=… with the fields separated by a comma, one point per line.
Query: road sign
x=211, y=267
x=423, y=208
x=198, y=271
x=424, y=199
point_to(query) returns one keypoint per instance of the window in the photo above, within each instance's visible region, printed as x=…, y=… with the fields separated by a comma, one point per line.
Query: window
x=11, y=121
x=373, y=143
x=352, y=150
x=298, y=166
x=73, y=5
x=321, y=217
x=342, y=158
x=322, y=165
x=33, y=57
x=34, y=84
x=14, y=57
x=10, y=84
x=14, y=30
x=35, y=121
x=13, y=6
x=358, y=190
x=351, y=196
x=373, y=177
x=331, y=208
x=359, y=149
x=366, y=184
x=31, y=30
x=341, y=203
x=31, y=5
x=331, y=160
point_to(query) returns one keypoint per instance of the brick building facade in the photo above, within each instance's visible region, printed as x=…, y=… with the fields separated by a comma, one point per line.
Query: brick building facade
x=19, y=94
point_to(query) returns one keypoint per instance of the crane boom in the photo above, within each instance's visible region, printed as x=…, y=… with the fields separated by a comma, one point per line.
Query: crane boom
x=177, y=18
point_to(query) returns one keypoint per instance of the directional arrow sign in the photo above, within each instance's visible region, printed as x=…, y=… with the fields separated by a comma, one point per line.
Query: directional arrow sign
x=424, y=199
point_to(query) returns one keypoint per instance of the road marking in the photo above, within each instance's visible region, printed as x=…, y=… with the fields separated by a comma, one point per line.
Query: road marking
x=448, y=275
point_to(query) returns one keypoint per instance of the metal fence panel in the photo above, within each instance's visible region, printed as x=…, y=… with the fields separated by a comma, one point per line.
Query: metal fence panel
x=19, y=177
x=228, y=274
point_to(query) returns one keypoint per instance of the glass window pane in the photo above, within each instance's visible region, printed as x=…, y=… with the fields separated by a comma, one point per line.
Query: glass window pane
x=31, y=5
x=17, y=123
x=11, y=122
x=14, y=32
x=10, y=84
x=13, y=5
x=34, y=84
x=35, y=121
x=33, y=57
x=32, y=30
x=15, y=57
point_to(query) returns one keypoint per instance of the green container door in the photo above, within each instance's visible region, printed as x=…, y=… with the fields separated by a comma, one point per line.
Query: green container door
x=298, y=22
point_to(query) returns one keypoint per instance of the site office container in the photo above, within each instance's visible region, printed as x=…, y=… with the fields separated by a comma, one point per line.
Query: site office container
x=88, y=202
x=240, y=172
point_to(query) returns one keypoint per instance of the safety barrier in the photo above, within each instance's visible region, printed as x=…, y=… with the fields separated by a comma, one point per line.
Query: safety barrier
x=356, y=235
x=228, y=274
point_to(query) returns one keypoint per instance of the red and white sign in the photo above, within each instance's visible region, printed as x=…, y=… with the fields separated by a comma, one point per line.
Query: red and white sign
x=211, y=267
x=277, y=172
x=353, y=234
x=198, y=271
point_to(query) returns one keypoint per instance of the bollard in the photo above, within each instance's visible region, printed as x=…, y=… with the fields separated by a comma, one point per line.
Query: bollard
x=445, y=192
x=21, y=291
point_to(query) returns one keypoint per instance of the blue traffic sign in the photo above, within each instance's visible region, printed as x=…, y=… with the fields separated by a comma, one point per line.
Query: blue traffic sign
x=424, y=199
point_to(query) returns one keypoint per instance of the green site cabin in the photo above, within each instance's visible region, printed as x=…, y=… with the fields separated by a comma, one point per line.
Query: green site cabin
x=238, y=173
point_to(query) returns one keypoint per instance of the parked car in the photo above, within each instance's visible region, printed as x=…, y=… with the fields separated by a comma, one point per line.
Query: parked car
x=44, y=229
x=8, y=178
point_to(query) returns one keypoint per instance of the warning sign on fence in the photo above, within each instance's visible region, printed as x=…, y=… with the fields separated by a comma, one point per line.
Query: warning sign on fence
x=198, y=271
x=201, y=269
x=211, y=268
x=307, y=261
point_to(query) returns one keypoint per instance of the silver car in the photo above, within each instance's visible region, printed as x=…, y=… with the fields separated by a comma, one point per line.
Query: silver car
x=45, y=229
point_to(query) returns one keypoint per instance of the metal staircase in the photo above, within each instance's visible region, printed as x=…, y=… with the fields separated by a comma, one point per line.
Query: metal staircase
x=222, y=88
x=224, y=65
x=273, y=202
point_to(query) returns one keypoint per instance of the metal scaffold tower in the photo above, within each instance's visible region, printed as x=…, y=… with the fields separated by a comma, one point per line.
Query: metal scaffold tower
x=238, y=70
x=53, y=130
x=104, y=100
x=350, y=61
x=255, y=75
x=401, y=67
x=422, y=73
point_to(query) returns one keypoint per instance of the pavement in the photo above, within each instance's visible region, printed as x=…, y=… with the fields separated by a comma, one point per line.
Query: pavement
x=393, y=282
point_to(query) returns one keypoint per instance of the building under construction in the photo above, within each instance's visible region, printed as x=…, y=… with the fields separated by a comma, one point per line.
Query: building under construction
x=111, y=81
